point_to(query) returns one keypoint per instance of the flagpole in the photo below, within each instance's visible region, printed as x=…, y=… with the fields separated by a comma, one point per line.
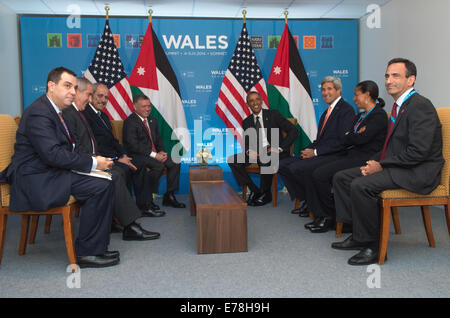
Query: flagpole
x=107, y=12
x=150, y=13
x=244, y=13
x=285, y=16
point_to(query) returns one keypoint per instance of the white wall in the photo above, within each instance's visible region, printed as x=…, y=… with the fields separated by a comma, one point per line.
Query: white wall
x=415, y=29
x=10, y=78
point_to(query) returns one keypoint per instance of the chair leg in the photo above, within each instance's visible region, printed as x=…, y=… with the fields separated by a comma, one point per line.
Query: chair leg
x=34, y=226
x=427, y=223
x=3, y=221
x=339, y=226
x=48, y=222
x=297, y=203
x=77, y=213
x=384, y=232
x=447, y=217
x=311, y=215
x=396, y=220
x=274, y=189
x=68, y=235
x=24, y=234
x=244, y=192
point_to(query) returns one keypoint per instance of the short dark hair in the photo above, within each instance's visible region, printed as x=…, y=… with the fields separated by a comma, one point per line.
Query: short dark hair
x=250, y=93
x=55, y=75
x=139, y=97
x=411, y=69
x=372, y=88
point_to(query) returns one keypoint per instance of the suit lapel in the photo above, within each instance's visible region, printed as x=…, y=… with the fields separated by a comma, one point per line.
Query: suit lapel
x=402, y=113
x=332, y=115
x=59, y=124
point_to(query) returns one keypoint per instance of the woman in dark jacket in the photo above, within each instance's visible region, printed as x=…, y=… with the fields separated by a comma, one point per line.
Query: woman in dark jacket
x=363, y=141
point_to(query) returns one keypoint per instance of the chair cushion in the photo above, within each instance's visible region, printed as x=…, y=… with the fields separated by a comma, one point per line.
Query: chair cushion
x=440, y=191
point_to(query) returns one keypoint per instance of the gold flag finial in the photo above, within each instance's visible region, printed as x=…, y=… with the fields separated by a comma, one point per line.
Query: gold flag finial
x=107, y=12
x=150, y=13
x=285, y=16
x=244, y=13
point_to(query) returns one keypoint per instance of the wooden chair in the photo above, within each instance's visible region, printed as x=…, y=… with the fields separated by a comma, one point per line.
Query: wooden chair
x=8, y=128
x=117, y=129
x=390, y=200
x=254, y=168
x=17, y=119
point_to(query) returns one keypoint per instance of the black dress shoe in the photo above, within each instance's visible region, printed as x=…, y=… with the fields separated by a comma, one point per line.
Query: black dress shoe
x=111, y=254
x=96, y=261
x=302, y=208
x=324, y=225
x=349, y=244
x=116, y=228
x=152, y=206
x=150, y=213
x=313, y=223
x=251, y=198
x=134, y=232
x=169, y=199
x=304, y=214
x=263, y=199
x=367, y=256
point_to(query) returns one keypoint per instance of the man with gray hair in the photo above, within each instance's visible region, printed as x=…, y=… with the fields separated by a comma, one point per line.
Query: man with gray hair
x=334, y=123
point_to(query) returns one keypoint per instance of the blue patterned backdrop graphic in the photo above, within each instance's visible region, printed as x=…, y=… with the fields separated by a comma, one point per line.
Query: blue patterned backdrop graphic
x=199, y=51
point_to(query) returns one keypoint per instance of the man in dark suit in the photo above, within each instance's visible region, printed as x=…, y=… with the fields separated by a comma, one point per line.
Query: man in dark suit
x=262, y=124
x=411, y=159
x=108, y=145
x=144, y=144
x=41, y=174
x=125, y=209
x=333, y=125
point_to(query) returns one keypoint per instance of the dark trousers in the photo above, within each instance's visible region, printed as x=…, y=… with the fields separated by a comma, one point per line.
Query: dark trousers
x=320, y=199
x=296, y=174
x=356, y=199
x=96, y=196
x=125, y=208
x=146, y=183
x=238, y=163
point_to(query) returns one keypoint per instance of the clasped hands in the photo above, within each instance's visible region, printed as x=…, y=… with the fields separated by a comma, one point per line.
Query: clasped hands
x=371, y=168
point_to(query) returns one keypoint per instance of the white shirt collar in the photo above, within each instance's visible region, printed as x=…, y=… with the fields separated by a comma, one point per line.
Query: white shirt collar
x=74, y=105
x=57, y=110
x=142, y=118
x=401, y=99
x=333, y=104
x=94, y=109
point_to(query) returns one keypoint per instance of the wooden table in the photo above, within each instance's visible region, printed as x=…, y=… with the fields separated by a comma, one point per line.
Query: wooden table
x=221, y=217
x=204, y=173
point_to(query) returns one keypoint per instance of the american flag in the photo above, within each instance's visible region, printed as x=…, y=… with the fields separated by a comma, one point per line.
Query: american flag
x=107, y=68
x=242, y=76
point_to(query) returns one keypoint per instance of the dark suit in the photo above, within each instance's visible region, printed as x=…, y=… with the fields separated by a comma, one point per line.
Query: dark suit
x=125, y=209
x=272, y=119
x=360, y=148
x=109, y=146
x=413, y=161
x=41, y=178
x=296, y=172
x=139, y=146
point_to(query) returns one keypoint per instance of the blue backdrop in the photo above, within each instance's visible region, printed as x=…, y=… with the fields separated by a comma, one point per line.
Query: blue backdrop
x=199, y=51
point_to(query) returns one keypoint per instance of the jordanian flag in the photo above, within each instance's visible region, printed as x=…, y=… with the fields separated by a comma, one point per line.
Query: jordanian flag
x=153, y=76
x=289, y=91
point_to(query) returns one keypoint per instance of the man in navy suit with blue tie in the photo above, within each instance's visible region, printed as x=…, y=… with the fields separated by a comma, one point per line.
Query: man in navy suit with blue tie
x=333, y=124
x=41, y=168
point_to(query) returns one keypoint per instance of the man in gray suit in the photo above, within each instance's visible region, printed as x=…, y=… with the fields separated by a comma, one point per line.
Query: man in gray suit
x=410, y=159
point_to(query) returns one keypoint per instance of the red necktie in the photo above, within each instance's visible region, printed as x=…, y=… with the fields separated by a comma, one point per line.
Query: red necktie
x=326, y=119
x=150, y=135
x=67, y=129
x=393, y=118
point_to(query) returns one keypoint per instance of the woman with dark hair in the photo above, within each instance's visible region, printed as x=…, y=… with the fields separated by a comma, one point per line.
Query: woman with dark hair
x=363, y=141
